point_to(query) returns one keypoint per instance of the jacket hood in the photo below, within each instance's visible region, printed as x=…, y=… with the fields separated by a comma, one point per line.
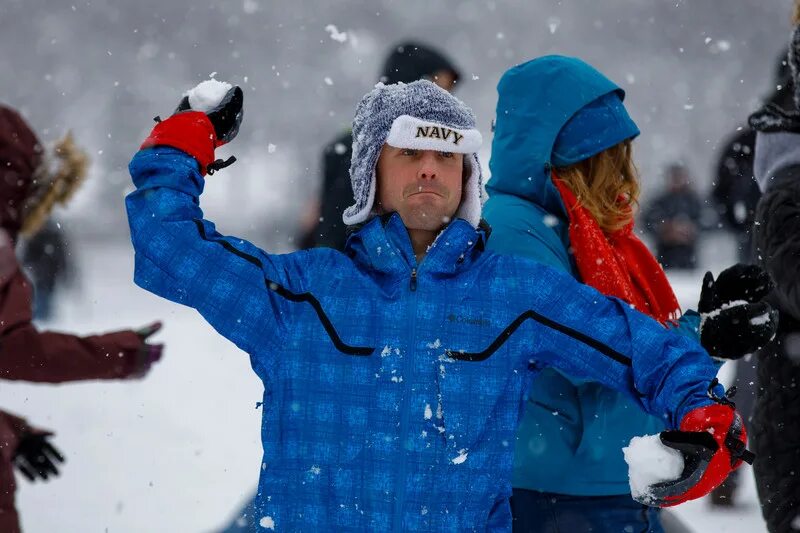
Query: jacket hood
x=20, y=157
x=535, y=101
x=775, y=151
x=412, y=61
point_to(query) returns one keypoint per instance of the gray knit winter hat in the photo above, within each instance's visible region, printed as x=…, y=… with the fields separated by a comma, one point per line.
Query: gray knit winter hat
x=421, y=116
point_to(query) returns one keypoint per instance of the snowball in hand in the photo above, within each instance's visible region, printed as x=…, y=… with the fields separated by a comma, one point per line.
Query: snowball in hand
x=207, y=94
x=650, y=462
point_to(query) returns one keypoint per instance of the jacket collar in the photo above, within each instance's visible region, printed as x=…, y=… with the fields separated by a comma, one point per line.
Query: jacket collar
x=383, y=244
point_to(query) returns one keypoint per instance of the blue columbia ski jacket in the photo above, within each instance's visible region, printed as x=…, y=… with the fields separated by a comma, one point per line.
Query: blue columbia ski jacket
x=393, y=390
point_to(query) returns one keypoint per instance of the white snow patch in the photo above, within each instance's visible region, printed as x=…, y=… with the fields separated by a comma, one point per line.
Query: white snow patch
x=206, y=95
x=650, y=462
x=428, y=411
x=550, y=220
x=267, y=523
x=271, y=148
x=328, y=80
x=435, y=344
x=461, y=457
x=716, y=312
x=760, y=320
x=316, y=470
x=386, y=352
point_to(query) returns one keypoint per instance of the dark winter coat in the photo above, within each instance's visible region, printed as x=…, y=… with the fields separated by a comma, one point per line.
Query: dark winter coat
x=407, y=63
x=26, y=353
x=776, y=421
x=735, y=191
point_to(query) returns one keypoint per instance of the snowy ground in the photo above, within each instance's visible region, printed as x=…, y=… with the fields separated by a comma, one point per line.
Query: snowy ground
x=179, y=450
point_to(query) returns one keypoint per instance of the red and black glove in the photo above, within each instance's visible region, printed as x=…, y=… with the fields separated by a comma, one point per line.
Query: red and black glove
x=199, y=133
x=713, y=442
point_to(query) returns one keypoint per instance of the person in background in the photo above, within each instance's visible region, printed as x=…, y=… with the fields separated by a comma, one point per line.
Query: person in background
x=563, y=192
x=322, y=224
x=29, y=188
x=776, y=239
x=736, y=194
x=50, y=265
x=674, y=219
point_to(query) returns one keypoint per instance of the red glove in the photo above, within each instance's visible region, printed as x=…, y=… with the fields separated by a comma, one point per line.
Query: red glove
x=189, y=131
x=713, y=442
x=198, y=133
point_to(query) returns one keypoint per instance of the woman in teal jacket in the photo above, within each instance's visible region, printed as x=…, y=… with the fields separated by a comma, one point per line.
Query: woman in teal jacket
x=562, y=191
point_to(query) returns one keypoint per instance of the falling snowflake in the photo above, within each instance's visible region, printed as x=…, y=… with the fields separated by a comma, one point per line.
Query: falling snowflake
x=336, y=35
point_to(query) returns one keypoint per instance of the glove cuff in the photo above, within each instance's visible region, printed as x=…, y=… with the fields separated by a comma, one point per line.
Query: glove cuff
x=190, y=132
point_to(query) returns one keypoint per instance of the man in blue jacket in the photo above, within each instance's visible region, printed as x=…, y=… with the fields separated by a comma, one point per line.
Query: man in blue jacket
x=394, y=373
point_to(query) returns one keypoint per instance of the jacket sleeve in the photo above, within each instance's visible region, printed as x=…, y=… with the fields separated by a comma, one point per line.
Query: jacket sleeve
x=777, y=238
x=32, y=355
x=688, y=324
x=588, y=335
x=12, y=429
x=239, y=289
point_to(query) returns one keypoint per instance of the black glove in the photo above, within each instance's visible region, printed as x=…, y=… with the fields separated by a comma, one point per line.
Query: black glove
x=148, y=354
x=772, y=118
x=734, y=319
x=226, y=116
x=36, y=458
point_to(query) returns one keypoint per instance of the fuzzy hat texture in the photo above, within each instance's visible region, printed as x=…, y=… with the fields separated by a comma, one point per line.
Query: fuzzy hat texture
x=33, y=180
x=418, y=115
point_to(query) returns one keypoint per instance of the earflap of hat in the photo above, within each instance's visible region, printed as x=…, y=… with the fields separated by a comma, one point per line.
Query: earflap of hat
x=470, y=208
x=358, y=213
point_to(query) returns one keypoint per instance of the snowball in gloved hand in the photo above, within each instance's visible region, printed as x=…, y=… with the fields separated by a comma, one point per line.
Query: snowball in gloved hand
x=650, y=462
x=206, y=95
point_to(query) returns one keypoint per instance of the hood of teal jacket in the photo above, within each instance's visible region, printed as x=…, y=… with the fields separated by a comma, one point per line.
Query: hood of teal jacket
x=535, y=101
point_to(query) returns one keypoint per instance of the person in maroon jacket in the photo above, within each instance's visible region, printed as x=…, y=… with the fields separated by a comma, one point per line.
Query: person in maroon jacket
x=28, y=191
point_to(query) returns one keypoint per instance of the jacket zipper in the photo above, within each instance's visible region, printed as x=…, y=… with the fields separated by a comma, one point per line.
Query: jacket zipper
x=400, y=487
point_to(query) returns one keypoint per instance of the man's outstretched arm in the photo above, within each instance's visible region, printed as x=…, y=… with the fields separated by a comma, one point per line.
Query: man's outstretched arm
x=180, y=255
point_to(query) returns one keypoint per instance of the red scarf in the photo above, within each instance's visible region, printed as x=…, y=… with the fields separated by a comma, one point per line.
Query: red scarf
x=617, y=264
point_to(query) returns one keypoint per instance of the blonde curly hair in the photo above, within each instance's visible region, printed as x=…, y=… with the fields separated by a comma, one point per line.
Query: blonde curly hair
x=606, y=184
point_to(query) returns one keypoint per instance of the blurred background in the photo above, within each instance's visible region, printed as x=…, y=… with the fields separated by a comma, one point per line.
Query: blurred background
x=180, y=450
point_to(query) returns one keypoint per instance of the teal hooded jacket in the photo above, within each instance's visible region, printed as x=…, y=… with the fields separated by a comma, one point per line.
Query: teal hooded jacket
x=572, y=432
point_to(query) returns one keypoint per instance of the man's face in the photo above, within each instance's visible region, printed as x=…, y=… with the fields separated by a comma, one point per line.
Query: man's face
x=423, y=186
x=444, y=79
